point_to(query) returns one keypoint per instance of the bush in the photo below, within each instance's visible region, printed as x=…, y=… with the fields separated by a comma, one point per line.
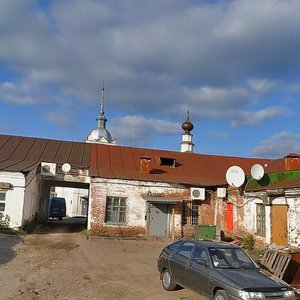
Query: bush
x=248, y=241
x=4, y=221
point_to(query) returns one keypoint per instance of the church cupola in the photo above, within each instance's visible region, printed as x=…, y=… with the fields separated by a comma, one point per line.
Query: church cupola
x=100, y=134
x=187, y=138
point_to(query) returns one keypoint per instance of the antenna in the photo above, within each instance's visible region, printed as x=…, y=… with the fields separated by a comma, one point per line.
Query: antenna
x=235, y=176
x=257, y=171
x=133, y=126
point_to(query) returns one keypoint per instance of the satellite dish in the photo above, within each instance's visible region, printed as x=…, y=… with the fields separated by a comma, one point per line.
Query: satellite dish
x=235, y=176
x=257, y=171
x=66, y=167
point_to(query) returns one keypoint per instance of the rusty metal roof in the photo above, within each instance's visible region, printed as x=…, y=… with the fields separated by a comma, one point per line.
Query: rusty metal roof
x=121, y=162
x=22, y=154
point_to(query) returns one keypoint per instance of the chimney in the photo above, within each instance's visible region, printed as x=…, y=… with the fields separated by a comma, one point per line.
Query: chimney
x=292, y=162
x=145, y=165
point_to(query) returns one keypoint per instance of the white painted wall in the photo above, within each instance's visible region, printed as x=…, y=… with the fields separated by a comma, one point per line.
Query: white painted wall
x=32, y=197
x=14, y=197
x=73, y=199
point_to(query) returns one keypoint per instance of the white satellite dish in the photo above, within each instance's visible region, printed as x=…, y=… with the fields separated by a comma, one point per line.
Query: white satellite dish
x=257, y=171
x=235, y=176
x=66, y=167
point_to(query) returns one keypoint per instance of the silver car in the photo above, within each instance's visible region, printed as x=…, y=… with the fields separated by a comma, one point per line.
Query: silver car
x=218, y=270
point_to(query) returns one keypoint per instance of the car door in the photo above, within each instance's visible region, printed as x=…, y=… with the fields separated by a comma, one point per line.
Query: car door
x=178, y=261
x=198, y=270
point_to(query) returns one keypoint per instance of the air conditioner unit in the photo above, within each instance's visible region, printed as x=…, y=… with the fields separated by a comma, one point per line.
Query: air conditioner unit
x=221, y=192
x=48, y=169
x=198, y=194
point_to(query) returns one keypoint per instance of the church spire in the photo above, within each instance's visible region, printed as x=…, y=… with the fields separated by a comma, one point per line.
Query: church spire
x=101, y=120
x=100, y=134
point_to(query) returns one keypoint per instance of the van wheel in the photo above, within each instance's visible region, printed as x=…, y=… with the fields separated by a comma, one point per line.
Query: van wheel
x=220, y=295
x=59, y=218
x=167, y=281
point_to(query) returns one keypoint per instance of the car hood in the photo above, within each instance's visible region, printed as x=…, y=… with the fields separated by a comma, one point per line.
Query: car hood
x=248, y=278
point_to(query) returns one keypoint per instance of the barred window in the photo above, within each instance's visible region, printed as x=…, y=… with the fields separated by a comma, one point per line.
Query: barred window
x=2, y=201
x=115, y=210
x=190, y=210
x=195, y=216
x=260, y=219
x=184, y=213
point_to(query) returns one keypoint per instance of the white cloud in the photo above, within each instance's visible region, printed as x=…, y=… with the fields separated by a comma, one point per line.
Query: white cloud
x=139, y=131
x=248, y=118
x=159, y=56
x=278, y=145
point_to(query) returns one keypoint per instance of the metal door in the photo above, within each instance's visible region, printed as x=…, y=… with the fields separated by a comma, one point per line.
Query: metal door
x=158, y=218
x=279, y=234
x=229, y=216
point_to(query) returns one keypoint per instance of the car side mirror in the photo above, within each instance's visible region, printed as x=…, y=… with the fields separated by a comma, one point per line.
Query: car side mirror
x=202, y=261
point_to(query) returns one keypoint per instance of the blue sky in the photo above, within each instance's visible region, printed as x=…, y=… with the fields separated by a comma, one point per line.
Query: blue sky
x=235, y=64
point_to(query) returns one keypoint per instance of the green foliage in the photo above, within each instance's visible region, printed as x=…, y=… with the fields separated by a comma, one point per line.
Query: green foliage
x=248, y=241
x=85, y=233
x=4, y=221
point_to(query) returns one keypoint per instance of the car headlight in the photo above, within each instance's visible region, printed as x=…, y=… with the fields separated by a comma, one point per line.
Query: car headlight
x=251, y=295
x=287, y=294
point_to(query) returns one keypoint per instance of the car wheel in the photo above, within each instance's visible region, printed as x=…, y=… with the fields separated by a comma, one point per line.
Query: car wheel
x=167, y=281
x=220, y=295
x=59, y=218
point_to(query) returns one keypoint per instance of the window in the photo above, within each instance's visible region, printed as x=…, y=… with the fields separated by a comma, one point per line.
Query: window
x=195, y=206
x=260, y=219
x=199, y=253
x=115, y=210
x=185, y=249
x=2, y=201
x=184, y=213
x=165, y=161
x=190, y=210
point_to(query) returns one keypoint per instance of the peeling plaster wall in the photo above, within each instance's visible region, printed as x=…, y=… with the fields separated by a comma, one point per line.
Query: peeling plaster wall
x=291, y=199
x=136, y=205
x=293, y=217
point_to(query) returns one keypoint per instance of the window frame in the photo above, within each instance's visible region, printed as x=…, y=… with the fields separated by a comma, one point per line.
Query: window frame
x=260, y=219
x=2, y=192
x=190, y=213
x=115, y=210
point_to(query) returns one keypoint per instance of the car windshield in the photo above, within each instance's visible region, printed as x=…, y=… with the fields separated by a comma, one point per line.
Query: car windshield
x=231, y=258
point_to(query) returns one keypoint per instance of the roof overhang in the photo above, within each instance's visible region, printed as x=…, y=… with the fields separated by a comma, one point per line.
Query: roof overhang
x=161, y=200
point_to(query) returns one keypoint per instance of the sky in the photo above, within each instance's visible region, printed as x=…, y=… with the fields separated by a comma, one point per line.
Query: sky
x=234, y=64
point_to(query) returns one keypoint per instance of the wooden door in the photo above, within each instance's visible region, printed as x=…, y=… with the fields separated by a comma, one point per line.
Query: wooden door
x=279, y=234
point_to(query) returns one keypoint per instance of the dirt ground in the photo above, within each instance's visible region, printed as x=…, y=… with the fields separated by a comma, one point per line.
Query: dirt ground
x=59, y=262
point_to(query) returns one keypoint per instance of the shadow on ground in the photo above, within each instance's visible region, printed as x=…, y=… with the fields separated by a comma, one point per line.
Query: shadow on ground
x=7, y=242
x=66, y=225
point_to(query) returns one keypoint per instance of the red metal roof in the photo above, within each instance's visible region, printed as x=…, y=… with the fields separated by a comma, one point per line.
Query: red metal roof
x=193, y=169
x=22, y=154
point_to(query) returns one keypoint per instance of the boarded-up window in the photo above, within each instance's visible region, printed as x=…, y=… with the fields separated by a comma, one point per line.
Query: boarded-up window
x=2, y=201
x=260, y=220
x=115, y=210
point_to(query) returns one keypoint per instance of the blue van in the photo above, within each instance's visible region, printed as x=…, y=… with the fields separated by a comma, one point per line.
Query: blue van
x=57, y=207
